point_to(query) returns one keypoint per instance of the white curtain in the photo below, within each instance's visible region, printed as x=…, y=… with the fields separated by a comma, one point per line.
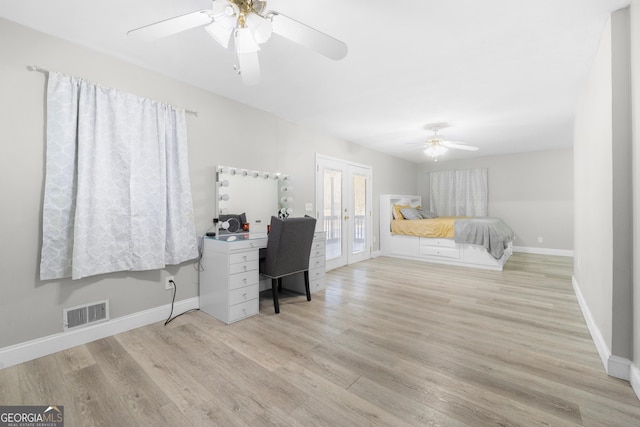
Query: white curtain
x=117, y=191
x=459, y=192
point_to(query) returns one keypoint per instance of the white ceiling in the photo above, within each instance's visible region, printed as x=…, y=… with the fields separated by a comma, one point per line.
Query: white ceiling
x=505, y=74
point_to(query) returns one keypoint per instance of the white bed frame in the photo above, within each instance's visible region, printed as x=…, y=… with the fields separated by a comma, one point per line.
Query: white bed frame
x=437, y=250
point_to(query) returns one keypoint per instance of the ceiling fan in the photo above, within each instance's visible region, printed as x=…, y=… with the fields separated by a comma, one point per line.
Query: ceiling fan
x=250, y=26
x=436, y=145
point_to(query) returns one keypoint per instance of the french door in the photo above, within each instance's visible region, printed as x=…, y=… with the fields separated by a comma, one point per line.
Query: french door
x=343, y=201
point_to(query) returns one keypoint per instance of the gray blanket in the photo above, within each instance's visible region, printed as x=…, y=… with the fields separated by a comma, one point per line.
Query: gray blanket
x=492, y=233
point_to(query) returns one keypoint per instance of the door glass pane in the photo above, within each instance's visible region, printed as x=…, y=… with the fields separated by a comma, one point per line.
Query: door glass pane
x=359, y=213
x=333, y=212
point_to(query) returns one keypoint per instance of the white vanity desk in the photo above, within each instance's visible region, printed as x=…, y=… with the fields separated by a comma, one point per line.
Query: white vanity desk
x=230, y=280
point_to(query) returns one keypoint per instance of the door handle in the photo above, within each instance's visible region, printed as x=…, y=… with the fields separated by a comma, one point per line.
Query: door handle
x=346, y=217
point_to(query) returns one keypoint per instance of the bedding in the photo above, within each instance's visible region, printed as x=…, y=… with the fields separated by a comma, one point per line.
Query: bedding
x=492, y=233
x=442, y=226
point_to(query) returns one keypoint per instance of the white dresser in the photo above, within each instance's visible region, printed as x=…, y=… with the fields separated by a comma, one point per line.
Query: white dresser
x=229, y=277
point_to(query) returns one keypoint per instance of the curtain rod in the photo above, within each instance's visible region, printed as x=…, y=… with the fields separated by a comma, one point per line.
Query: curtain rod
x=42, y=70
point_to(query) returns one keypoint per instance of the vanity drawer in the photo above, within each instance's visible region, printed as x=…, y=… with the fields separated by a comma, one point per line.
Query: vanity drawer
x=238, y=258
x=243, y=267
x=242, y=310
x=240, y=295
x=244, y=244
x=243, y=279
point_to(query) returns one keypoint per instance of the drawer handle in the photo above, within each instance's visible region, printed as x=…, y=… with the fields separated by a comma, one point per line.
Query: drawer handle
x=244, y=280
x=244, y=295
x=251, y=244
x=244, y=310
x=244, y=267
x=244, y=257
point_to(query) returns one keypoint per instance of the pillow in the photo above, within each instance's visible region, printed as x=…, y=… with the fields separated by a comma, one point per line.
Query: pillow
x=411, y=213
x=428, y=214
x=397, y=214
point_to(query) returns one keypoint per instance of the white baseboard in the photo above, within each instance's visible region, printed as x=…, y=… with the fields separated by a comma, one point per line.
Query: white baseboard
x=39, y=347
x=635, y=379
x=543, y=251
x=619, y=367
x=614, y=366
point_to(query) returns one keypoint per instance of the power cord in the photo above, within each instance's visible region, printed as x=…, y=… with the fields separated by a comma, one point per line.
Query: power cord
x=175, y=291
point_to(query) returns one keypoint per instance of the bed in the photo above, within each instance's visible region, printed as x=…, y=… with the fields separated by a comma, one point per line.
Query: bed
x=472, y=242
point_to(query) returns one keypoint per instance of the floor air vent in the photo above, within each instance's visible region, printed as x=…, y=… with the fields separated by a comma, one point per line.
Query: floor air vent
x=84, y=315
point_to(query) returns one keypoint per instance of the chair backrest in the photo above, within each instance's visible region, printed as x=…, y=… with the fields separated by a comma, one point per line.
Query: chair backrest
x=288, y=246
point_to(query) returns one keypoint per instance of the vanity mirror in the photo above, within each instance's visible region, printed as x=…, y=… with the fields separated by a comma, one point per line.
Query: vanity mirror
x=256, y=194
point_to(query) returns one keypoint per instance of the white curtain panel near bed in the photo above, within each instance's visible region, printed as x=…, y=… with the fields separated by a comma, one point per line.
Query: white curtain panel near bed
x=117, y=191
x=462, y=192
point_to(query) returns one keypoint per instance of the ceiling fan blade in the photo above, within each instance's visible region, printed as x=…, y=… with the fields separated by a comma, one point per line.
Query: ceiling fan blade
x=249, y=67
x=460, y=146
x=172, y=26
x=306, y=36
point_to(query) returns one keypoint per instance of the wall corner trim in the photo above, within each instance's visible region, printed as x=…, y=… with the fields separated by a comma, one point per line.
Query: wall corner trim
x=619, y=367
x=596, y=336
x=29, y=350
x=614, y=366
x=635, y=379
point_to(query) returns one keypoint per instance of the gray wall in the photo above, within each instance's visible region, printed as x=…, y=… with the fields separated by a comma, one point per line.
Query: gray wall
x=635, y=100
x=225, y=132
x=603, y=268
x=532, y=192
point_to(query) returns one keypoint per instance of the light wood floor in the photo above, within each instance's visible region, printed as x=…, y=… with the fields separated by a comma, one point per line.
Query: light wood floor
x=390, y=342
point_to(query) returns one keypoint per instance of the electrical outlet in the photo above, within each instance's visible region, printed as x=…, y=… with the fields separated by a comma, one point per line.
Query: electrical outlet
x=539, y=239
x=168, y=283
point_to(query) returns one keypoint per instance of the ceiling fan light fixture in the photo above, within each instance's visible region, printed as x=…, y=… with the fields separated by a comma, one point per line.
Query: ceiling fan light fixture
x=435, y=150
x=219, y=33
x=260, y=27
x=225, y=13
x=245, y=42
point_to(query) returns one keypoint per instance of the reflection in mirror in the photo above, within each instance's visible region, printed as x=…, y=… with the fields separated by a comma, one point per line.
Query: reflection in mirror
x=258, y=195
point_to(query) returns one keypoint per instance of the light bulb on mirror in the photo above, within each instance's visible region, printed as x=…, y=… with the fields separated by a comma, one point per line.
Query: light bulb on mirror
x=224, y=197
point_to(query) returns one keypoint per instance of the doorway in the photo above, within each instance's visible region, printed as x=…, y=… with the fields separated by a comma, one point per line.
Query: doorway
x=344, y=207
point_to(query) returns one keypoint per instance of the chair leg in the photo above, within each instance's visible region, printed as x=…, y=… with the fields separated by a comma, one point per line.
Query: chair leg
x=274, y=291
x=306, y=284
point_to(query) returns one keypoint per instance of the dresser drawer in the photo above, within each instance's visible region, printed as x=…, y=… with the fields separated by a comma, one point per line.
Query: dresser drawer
x=440, y=252
x=316, y=273
x=245, y=294
x=243, y=267
x=315, y=253
x=317, y=244
x=242, y=310
x=316, y=285
x=441, y=243
x=243, y=279
x=241, y=257
x=316, y=262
